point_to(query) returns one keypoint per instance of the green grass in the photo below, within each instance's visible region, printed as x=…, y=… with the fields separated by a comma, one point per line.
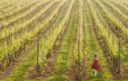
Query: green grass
x=93, y=48
x=63, y=60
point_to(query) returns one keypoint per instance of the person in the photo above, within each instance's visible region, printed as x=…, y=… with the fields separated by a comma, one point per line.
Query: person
x=96, y=66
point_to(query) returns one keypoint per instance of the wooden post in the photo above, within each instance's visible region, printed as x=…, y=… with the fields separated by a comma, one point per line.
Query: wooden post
x=119, y=50
x=37, y=68
x=113, y=39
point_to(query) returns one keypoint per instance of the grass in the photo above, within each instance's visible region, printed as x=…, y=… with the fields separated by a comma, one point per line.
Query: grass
x=93, y=48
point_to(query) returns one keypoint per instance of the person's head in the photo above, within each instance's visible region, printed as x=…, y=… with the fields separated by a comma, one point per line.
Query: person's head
x=95, y=56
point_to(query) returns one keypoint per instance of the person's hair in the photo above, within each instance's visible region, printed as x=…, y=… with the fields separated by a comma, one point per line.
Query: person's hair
x=95, y=55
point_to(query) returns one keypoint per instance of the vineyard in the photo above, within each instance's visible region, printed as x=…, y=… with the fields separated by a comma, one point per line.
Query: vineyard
x=56, y=40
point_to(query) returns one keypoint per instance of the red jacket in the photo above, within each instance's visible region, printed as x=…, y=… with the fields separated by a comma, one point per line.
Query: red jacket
x=96, y=65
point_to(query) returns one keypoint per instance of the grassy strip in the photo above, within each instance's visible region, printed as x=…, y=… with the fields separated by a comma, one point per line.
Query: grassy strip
x=93, y=48
x=63, y=60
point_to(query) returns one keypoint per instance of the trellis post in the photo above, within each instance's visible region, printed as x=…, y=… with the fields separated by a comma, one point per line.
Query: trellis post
x=119, y=51
x=37, y=55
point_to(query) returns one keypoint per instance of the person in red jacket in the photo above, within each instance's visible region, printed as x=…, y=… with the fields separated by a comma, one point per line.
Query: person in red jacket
x=95, y=65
